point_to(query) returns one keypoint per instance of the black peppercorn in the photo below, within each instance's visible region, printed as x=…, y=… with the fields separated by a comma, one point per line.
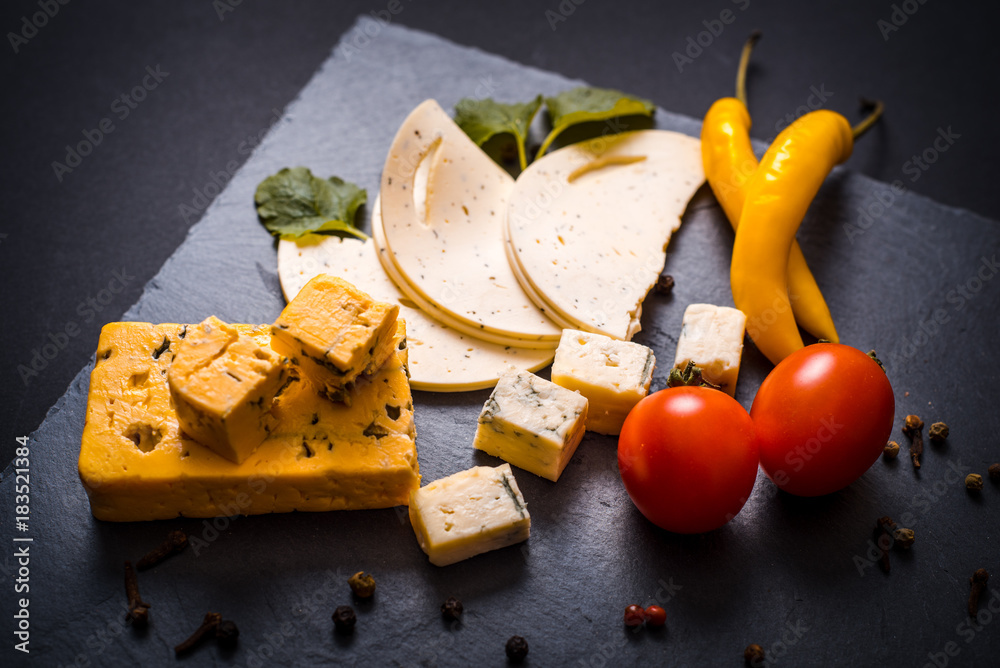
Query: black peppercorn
x=664, y=284
x=753, y=655
x=452, y=609
x=517, y=648
x=344, y=619
x=226, y=633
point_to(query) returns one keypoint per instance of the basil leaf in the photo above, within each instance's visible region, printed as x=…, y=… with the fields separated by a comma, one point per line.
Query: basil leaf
x=293, y=202
x=581, y=105
x=483, y=119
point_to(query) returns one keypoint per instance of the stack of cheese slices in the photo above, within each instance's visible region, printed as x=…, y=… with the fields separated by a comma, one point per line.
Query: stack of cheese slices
x=488, y=271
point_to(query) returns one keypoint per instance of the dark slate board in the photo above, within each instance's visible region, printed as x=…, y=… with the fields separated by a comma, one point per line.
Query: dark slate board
x=783, y=574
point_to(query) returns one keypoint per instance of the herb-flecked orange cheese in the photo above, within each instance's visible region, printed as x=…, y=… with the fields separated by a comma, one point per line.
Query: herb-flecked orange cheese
x=223, y=383
x=334, y=332
x=137, y=464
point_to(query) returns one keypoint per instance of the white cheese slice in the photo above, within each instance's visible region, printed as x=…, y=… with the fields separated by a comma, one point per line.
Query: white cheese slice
x=532, y=423
x=440, y=359
x=387, y=259
x=445, y=233
x=712, y=338
x=614, y=375
x=469, y=513
x=588, y=225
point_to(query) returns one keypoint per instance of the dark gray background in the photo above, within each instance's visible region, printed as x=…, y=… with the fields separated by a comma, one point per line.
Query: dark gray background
x=60, y=243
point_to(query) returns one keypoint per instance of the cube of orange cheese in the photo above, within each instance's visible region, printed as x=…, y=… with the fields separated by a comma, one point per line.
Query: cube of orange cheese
x=136, y=463
x=334, y=332
x=223, y=383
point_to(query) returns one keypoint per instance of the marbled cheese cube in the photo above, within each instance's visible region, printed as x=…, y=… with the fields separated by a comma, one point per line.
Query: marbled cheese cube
x=614, y=375
x=532, y=423
x=334, y=332
x=712, y=338
x=469, y=513
x=223, y=384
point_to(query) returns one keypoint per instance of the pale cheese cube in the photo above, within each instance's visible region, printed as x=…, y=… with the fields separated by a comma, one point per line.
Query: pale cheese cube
x=469, y=513
x=614, y=375
x=712, y=338
x=532, y=423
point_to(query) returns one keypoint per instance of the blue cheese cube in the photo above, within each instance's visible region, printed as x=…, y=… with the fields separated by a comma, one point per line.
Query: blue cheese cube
x=532, y=423
x=469, y=513
x=614, y=375
x=712, y=338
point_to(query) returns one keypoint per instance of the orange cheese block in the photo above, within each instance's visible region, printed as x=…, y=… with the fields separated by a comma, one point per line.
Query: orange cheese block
x=137, y=464
x=334, y=333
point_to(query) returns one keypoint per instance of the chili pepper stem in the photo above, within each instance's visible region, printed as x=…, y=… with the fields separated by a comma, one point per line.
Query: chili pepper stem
x=877, y=108
x=741, y=72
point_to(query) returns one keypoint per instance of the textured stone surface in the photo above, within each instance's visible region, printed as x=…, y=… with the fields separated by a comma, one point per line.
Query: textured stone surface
x=783, y=574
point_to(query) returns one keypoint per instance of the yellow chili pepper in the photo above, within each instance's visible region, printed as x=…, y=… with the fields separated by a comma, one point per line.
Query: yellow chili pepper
x=729, y=161
x=777, y=197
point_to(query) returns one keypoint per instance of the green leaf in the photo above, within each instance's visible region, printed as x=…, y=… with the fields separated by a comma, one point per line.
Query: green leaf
x=483, y=119
x=293, y=202
x=582, y=105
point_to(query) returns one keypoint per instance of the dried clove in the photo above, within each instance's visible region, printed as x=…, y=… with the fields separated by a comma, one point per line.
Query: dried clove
x=362, y=584
x=994, y=471
x=175, y=543
x=138, y=610
x=208, y=625
x=913, y=427
x=884, y=529
x=664, y=284
x=344, y=619
x=452, y=609
x=516, y=649
x=891, y=450
x=226, y=633
x=753, y=655
x=974, y=482
x=978, y=583
x=903, y=538
x=937, y=433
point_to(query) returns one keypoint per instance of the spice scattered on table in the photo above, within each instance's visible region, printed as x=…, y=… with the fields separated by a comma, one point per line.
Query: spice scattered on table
x=634, y=616
x=362, y=584
x=138, y=610
x=974, y=482
x=208, y=626
x=938, y=433
x=891, y=450
x=516, y=648
x=903, y=538
x=994, y=472
x=664, y=284
x=175, y=543
x=452, y=609
x=884, y=530
x=226, y=633
x=978, y=583
x=753, y=655
x=344, y=619
x=913, y=427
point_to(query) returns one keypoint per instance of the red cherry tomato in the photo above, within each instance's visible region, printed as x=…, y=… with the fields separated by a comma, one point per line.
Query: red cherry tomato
x=823, y=416
x=656, y=616
x=688, y=458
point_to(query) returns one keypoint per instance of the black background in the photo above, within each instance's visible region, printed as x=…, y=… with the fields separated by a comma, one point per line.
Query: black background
x=61, y=242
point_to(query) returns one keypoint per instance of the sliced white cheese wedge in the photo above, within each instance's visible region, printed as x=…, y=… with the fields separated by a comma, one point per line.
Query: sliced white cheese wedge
x=386, y=259
x=588, y=225
x=443, y=207
x=712, y=338
x=469, y=513
x=440, y=359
